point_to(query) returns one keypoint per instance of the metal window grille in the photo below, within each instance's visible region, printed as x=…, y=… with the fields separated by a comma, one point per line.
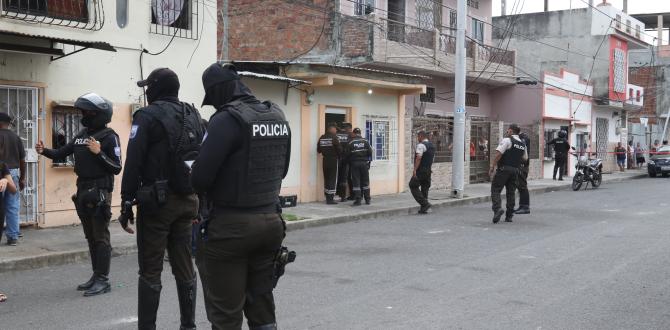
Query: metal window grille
x=65, y=123
x=179, y=18
x=453, y=17
x=637, y=31
x=602, y=135
x=549, y=134
x=428, y=96
x=473, y=3
x=441, y=131
x=628, y=26
x=472, y=100
x=80, y=14
x=21, y=104
x=618, y=21
x=381, y=133
x=364, y=7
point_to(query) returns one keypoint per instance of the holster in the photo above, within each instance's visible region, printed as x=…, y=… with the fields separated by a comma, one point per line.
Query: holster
x=283, y=258
x=152, y=197
x=90, y=194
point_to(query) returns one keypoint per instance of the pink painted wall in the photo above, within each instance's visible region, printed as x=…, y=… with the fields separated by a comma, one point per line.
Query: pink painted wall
x=444, y=88
x=519, y=104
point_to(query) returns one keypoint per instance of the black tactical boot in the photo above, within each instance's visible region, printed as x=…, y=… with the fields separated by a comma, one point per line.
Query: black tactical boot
x=86, y=285
x=149, y=295
x=522, y=210
x=424, y=208
x=186, y=292
x=509, y=215
x=100, y=285
x=357, y=202
x=366, y=195
x=330, y=199
x=272, y=326
x=497, y=215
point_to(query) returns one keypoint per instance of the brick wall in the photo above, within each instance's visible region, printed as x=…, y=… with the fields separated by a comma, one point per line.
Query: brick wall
x=286, y=29
x=277, y=29
x=646, y=77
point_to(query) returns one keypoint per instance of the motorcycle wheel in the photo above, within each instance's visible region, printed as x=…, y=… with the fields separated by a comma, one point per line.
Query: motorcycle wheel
x=597, y=180
x=577, y=181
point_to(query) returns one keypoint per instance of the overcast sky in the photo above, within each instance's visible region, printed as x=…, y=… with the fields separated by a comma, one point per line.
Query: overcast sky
x=634, y=6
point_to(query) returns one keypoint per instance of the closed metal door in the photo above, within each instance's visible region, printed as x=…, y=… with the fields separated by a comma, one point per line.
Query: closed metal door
x=21, y=104
x=479, y=151
x=602, y=137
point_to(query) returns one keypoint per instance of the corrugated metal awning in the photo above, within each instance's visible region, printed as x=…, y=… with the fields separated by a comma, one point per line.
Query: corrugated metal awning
x=19, y=44
x=250, y=74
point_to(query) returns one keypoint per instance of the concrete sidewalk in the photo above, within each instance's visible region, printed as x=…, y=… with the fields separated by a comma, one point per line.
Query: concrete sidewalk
x=55, y=246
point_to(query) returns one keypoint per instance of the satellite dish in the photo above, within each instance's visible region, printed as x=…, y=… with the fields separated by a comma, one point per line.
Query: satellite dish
x=166, y=12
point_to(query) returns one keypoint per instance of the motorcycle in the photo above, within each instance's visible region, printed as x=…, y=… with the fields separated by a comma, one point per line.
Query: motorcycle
x=588, y=171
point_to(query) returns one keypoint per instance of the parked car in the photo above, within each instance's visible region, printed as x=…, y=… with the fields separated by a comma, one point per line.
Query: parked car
x=659, y=162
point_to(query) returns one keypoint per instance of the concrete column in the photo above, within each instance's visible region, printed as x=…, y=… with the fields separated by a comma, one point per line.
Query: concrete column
x=625, y=6
x=503, y=7
x=660, y=30
x=546, y=5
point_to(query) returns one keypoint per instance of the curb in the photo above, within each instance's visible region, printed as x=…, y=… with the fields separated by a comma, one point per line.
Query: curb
x=67, y=257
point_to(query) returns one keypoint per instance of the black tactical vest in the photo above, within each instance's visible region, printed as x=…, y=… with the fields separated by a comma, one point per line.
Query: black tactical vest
x=358, y=150
x=514, y=155
x=86, y=164
x=183, y=127
x=428, y=156
x=327, y=146
x=561, y=146
x=252, y=176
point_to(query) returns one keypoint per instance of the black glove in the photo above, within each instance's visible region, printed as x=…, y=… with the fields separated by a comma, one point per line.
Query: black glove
x=369, y=162
x=127, y=216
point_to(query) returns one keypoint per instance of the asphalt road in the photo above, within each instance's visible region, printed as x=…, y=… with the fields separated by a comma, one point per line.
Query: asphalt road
x=594, y=259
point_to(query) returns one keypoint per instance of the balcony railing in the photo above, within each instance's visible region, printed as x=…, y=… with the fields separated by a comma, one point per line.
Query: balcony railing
x=414, y=37
x=80, y=14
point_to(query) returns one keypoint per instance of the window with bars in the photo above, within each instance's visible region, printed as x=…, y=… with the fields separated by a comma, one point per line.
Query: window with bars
x=428, y=96
x=637, y=31
x=472, y=100
x=65, y=123
x=76, y=10
x=628, y=26
x=478, y=30
x=175, y=17
x=380, y=134
x=364, y=7
x=453, y=17
x=473, y=3
x=618, y=21
x=549, y=134
x=441, y=131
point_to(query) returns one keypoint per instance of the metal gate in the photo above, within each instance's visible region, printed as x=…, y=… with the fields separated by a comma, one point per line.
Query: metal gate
x=602, y=137
x=21, y=104
x=478, y=150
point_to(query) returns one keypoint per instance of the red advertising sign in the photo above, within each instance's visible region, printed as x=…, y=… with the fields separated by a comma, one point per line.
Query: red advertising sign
x=618, y=69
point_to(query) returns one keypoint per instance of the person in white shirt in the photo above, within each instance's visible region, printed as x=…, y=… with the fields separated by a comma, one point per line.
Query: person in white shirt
x=510, y=154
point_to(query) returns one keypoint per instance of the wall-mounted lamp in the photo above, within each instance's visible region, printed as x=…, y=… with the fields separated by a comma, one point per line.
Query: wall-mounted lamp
x=369, y=91
x=310, y=97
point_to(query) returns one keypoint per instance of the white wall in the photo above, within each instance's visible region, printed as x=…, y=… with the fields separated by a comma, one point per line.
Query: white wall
x=600, y=22
x=113, y=74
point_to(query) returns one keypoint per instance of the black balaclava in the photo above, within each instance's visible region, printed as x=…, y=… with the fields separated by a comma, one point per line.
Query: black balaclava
x=222, y=86
x=95, y=121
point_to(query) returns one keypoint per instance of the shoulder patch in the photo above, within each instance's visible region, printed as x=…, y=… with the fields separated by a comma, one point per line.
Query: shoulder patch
x=133, y=131
x=117, y=151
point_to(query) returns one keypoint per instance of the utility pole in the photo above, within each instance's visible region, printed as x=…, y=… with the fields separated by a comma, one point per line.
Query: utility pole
x=458, y=150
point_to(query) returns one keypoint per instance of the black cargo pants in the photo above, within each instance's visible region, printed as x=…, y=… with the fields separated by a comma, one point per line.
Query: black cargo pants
x=236, y=263
x=168, y=227
x=419, y=186
x=342, y=178
x=330, y=166
x=560, y=165
x=360, y=177
x=95, y=217
x=522, y=185
x=504, y=177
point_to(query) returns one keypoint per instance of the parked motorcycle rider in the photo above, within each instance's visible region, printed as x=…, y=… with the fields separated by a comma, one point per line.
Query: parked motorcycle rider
x=561, y=148
x=164, y=137
x=97, y=156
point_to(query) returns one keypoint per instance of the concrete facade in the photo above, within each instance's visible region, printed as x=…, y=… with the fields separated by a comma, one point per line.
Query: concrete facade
x=111, y=74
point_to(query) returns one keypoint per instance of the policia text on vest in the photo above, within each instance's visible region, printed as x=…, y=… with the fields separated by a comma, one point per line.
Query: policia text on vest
x=504, y=171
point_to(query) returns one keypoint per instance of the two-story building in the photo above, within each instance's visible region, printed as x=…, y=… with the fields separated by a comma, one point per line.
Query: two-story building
x=51, y=52
x=579, y=60
x=410, y=36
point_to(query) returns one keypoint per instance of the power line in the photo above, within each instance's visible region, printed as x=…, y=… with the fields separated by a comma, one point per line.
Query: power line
x=593, y=64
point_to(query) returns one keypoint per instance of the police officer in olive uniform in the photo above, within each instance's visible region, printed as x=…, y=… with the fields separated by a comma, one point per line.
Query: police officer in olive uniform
x=343, y=174
x=561, y=148
x=522, y=182
x=359, y=155
x=329, y=147
x=241, y=166
x=164, y=139
x=421, y=176
x=97, y=156
x=510, y=154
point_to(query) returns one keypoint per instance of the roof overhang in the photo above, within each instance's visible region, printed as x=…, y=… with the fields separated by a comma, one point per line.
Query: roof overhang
x=331, y=79
x=271, y=77
x=27, y=43
x=651, y=20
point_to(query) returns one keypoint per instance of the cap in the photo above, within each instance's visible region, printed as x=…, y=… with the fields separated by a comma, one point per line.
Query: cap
x=5, y=118
x=346, y=125
x=514, y=127
x=357, y=130
x=165, y=75
x=218, y=73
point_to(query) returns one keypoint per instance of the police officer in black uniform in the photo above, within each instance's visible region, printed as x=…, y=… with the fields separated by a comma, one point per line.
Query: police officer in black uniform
x=359, y=155
x=423, y=163
x=97, y=155
x=329, y=147
x=522, y=182
x=510, y=153
x=164, y=139
x=343, y=174
x=241, y=166
x=561, y=148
